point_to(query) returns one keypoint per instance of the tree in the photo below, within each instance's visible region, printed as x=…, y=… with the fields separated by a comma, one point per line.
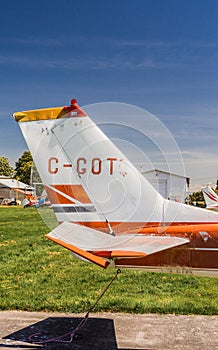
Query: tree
x=197, y=199
x=23, y=167
x=5, y=167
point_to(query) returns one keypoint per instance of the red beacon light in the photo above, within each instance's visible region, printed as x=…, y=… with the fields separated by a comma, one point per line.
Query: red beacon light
x=73, y=101
x=74, y=107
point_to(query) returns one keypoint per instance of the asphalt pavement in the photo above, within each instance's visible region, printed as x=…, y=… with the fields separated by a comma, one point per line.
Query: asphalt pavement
x=102, y=331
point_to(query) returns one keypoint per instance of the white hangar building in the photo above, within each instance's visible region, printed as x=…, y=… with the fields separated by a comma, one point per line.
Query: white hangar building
x=170, y=186
x=12, y=188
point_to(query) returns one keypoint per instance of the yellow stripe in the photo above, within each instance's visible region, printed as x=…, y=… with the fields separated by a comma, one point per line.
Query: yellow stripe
x=39, y=114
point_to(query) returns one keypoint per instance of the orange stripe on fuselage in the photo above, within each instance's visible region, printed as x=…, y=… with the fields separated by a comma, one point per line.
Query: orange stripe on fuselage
x=200, y=235
x=153, y=227
x=181, y=228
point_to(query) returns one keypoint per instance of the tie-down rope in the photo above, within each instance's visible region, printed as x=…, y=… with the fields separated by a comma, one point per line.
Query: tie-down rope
x=72, y=333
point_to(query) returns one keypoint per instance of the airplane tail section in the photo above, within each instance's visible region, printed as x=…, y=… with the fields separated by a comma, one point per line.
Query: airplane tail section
x=210, y=197
x=87, y=178
x=95, y=190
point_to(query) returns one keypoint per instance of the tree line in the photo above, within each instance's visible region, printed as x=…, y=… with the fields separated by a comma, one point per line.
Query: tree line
x=22, y=170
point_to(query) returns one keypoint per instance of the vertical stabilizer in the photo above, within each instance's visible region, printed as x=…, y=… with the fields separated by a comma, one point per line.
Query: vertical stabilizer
x=87, y=178
x=90, y=181
x=210, y=198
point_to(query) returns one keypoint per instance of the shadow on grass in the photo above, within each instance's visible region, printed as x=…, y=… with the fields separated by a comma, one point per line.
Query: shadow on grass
x=58, y=333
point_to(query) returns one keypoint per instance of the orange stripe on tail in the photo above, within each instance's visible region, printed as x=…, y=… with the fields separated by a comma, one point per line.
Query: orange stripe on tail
x=76, y=192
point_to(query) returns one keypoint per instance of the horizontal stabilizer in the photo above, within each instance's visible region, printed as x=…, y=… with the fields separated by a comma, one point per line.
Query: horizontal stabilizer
x=93, y=245
x=80, y=252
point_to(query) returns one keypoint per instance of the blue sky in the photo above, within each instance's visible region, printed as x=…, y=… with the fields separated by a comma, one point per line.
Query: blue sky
x=159, y=55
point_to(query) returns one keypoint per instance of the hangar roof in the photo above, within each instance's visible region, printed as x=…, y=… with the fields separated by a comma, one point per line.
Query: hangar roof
x=14, y=184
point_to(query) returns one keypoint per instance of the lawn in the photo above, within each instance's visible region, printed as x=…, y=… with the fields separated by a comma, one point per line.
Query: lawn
x=39, y=275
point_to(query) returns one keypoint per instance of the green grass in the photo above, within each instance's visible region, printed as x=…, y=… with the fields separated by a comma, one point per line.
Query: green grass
x=36, y=274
